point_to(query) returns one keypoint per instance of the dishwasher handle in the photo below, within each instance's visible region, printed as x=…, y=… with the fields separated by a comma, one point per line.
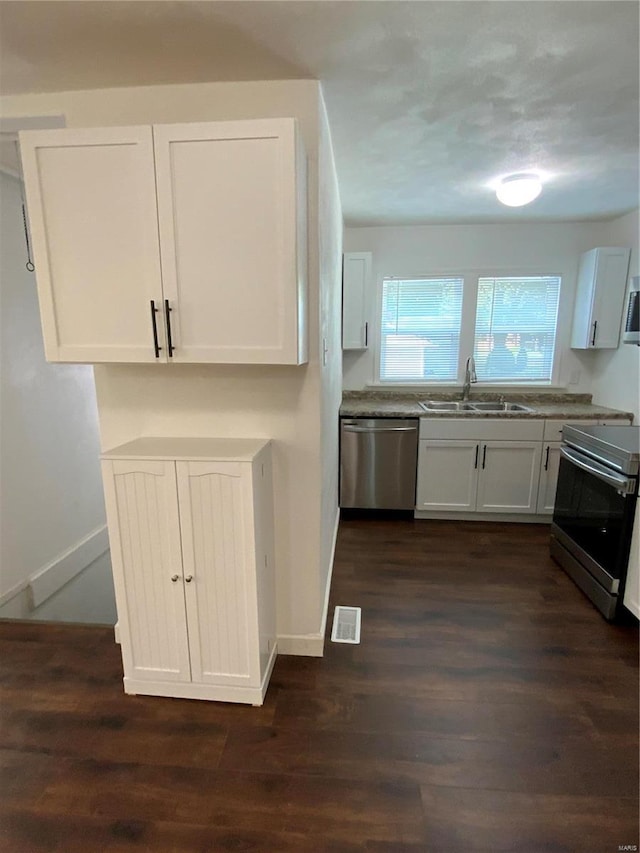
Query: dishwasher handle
x=348, y=428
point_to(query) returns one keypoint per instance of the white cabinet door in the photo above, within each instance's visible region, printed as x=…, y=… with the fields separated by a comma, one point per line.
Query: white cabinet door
x=219, y=565
x=356, y=285
x=602, y=281
x=548, y=477
x=508, y=477
x=144, y=534
x=447, y=475
x=92, y=211
x=231, y=206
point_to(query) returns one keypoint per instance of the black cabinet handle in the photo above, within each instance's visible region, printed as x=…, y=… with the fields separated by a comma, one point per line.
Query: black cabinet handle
x=475, y=464
x=167, y=314
x=595, y=329
x=484, y=456
x=154, y=311
x=366, y=334
x=546, y=458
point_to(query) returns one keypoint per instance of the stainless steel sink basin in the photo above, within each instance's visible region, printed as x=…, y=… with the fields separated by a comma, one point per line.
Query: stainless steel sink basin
x=500, y=407
x=470, y=408
x=446, y=406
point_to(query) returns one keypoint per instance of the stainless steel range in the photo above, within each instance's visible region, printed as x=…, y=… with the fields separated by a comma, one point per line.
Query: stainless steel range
x=594, y=510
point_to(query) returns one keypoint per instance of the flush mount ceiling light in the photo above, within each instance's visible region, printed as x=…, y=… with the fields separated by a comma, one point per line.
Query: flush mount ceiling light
x=516, y=190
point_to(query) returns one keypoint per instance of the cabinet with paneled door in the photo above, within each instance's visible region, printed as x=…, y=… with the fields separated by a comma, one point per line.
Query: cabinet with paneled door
x=191, y=534
x=482, y=466
x=356, y=296
x=172, y=243
x=602, y=282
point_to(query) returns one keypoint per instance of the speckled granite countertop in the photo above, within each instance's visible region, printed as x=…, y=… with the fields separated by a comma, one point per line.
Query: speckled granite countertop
x=370, y=404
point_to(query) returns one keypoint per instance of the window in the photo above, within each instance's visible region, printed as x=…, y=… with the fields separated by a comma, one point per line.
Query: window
x=420, y=329
x=509, y=323
x=516, y=328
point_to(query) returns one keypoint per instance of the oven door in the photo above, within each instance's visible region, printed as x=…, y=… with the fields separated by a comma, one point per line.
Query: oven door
x=593, y=516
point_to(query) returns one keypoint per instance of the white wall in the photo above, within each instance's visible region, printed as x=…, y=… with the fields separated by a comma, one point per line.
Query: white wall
x=283, y=403
x=616, y=373
x=330, y=255
x=552, y=248
x=616, y=381
x=50, y=487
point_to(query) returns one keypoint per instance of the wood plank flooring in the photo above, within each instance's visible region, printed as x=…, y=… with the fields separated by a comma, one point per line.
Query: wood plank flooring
x=488, y=708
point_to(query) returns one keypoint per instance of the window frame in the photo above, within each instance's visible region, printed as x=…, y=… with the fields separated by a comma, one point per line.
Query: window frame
x=470, y=279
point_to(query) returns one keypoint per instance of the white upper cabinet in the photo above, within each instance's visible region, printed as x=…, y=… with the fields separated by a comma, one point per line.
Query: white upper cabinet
x=232, y=240
x=92, y=211
x=356, y=285
x=179, y=243
x=602, y=281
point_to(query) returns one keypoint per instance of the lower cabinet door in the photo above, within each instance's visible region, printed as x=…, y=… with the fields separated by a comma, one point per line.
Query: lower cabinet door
x=447, y=475
x=144, y=533
x=218, y=547
x=509, y=476
x=548, y=477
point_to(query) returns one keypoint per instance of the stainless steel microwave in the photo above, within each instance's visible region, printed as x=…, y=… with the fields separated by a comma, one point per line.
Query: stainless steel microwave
x=632, y=322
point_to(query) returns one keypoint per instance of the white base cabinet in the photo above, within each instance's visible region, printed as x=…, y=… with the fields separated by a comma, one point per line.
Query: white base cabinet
x=447, y=475
x=508, y=477
x=469, y=467
x=548, y=477
x=191, y=533
x=476, y=475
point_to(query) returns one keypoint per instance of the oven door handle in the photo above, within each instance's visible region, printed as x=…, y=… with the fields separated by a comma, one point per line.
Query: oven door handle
x=624, y=485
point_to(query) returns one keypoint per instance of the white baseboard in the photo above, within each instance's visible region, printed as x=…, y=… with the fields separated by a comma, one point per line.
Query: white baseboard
x=519, y=517
x=305, y=645
x=52, y=577
x=327, y=588
x=312, y=645
x=10, y=594
x=116, y=633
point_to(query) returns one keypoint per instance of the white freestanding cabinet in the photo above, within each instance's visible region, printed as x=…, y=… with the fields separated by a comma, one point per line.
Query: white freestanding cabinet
x=356, y=286
x=171, y=243
x=602, y=281
x=191, y=533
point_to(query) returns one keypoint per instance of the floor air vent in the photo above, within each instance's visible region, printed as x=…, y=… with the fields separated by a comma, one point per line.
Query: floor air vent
x=346, y=625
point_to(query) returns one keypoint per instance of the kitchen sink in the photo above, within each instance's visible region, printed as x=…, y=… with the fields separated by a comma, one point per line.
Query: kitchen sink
x=466, y=406
x=446, y=406
x=500, y=407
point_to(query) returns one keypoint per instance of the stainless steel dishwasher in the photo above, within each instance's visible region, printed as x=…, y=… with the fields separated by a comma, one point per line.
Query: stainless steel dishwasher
x=378, y=462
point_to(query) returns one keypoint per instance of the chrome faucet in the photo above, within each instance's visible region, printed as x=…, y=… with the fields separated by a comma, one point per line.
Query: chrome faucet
x=469, y=377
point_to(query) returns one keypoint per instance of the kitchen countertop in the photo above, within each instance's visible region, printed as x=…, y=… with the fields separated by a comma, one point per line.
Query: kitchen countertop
x=371, y=404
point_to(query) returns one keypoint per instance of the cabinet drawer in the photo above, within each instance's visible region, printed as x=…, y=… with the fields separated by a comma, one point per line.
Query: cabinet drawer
x=482, y=428
x=553, y=429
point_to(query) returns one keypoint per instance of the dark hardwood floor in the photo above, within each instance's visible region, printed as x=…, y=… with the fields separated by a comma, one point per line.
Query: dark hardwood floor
x=488, y=708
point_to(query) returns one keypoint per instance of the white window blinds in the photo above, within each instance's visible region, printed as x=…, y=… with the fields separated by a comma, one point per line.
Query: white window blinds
x=516, y=328
x=420, y=329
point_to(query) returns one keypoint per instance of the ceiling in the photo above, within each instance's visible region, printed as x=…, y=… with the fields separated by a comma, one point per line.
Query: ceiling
x=429, y=101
